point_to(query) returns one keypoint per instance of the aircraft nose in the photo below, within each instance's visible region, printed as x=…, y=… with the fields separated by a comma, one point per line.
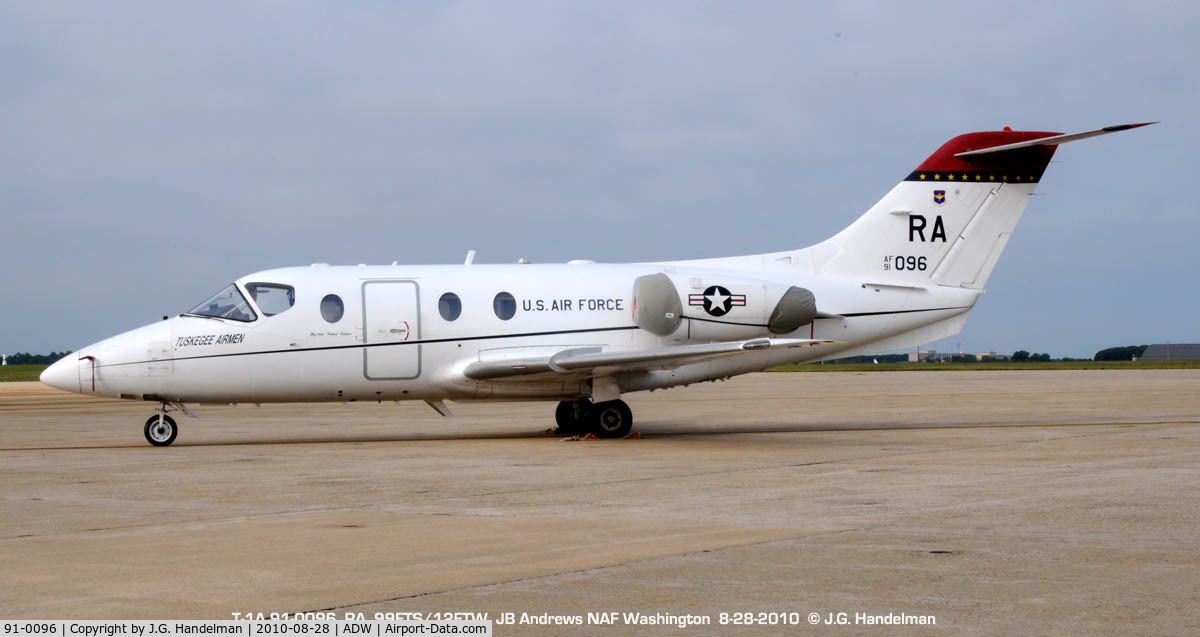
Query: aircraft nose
x=62, y=374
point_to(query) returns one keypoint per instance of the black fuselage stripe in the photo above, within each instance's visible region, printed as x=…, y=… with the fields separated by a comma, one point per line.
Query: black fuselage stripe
x=932, y=309
x=707, y=320
x=388, y=344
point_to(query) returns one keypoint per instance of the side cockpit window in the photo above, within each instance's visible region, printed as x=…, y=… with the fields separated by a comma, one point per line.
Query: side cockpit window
x=272, y=298
x=226, y=304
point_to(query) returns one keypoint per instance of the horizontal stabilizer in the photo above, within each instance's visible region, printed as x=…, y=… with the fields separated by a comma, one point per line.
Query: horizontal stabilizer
x=591, y=361
x=1052, y=140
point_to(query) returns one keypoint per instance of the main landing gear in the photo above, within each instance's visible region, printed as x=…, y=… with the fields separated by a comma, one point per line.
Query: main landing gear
x=609, y=419
x=161, y=429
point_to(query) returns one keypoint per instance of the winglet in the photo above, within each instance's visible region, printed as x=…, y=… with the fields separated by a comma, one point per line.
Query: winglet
x=1052, y=140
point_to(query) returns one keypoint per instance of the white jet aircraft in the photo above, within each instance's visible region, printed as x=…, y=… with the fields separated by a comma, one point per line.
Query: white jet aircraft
x=907, y=272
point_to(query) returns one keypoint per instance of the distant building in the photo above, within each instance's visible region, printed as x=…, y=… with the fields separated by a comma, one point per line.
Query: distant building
x=929, y=356
x=1172, y=352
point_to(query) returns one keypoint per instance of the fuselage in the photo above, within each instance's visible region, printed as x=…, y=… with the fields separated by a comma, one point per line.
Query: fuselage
x=345, y=333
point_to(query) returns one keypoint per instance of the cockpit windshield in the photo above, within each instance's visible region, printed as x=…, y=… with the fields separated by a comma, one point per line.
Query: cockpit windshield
x=272, y=298
x=226, y=304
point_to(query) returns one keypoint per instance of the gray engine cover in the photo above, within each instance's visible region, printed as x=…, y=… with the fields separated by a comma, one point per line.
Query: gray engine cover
x=657, y=308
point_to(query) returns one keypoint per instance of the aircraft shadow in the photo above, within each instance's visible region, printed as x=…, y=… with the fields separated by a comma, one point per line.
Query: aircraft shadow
x=650, y=430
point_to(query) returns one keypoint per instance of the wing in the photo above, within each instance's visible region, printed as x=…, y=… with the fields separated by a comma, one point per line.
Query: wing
x=593, y=361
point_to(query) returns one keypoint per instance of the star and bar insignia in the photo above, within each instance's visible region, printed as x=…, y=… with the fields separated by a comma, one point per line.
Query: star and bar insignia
x=717, y=300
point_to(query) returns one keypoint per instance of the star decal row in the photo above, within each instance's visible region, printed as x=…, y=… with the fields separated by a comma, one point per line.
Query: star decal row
x=965, y=177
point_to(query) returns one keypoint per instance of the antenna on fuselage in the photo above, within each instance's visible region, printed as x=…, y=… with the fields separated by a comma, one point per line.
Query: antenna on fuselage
x=470, y=257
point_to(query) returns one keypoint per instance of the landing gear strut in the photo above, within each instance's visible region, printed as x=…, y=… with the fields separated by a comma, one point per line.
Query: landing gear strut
x=609, y=419
x=161, y=429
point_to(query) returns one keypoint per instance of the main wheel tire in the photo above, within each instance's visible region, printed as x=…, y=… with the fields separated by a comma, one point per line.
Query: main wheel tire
x=611, y=419
x=161, y=435
x=564, y=415
x=570, y=417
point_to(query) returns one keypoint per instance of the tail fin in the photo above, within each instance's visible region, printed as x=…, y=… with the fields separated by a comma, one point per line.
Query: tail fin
x=949, y=219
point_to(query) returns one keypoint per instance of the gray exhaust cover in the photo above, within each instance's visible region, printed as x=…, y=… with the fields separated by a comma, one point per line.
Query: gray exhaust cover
x=797, y=307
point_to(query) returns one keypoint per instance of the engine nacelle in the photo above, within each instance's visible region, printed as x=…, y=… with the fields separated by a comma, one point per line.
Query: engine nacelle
x=719, y=307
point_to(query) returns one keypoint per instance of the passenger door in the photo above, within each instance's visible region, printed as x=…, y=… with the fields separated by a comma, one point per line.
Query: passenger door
x=391, y=330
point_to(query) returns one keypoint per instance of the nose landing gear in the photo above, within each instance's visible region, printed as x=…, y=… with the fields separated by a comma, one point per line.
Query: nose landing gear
x=161, y=429
x=609, y=419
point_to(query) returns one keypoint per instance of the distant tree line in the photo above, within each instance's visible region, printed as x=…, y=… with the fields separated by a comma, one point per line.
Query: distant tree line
x=883, y=358
x=1121, y=353
x=24, y=358
x=1019, y=356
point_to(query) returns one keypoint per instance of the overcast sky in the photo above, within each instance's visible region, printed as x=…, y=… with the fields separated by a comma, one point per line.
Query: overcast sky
x=152, y=152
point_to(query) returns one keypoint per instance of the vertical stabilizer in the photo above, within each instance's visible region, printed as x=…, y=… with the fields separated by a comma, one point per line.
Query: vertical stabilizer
x=949, y=219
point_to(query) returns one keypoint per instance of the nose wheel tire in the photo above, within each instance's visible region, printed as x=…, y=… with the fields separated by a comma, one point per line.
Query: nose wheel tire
x=611, y=419
x=161, y=434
